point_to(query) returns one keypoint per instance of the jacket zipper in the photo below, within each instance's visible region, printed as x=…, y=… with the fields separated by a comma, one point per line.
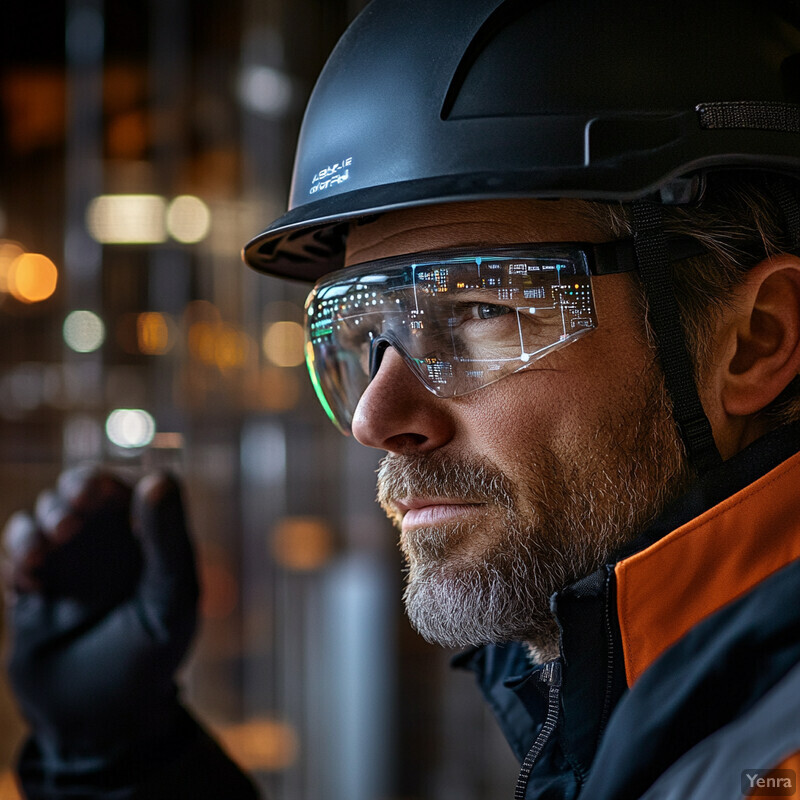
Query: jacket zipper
x=609, y=659
x=551, y=675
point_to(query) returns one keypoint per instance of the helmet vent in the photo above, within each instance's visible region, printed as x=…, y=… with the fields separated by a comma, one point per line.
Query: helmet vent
x=504, y=15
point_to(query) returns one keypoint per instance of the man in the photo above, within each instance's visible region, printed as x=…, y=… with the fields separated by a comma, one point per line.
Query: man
x=557, y=254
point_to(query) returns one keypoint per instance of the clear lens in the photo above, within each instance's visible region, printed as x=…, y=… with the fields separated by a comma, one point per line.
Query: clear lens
x=460, y=321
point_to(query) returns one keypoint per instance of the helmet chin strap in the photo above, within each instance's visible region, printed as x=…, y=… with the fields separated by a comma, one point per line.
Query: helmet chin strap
x=651, y=253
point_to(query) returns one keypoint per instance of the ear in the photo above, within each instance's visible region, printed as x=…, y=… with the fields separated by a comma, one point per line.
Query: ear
x=762, y=339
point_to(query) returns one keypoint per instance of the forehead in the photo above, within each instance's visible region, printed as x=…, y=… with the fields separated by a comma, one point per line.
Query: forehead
x=487, y=222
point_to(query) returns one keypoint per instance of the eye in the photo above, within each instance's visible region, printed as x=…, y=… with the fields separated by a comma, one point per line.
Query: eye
x=488, y=311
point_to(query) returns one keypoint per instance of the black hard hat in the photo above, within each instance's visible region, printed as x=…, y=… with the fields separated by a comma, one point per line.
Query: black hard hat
x=439, y=101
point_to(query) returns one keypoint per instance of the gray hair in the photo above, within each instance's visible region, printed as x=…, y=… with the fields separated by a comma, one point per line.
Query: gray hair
x=739, y=222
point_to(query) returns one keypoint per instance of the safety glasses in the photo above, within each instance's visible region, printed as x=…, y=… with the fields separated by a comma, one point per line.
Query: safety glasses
x=461, y=319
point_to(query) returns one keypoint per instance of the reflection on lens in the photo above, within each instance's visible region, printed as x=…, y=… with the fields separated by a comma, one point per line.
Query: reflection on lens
x=460, y=319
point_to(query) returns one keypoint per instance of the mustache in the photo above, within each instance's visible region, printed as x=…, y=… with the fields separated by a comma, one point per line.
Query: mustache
x=437, y=475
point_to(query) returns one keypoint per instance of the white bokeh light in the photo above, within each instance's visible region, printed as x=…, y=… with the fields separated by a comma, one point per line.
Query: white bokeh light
x=284, y=343
x=130, y=427
x=265, y=90
x=127, y=219
x=188, y=219
x=84, y=331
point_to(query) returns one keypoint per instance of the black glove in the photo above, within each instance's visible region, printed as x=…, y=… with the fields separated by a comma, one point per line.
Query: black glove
x=102, y=613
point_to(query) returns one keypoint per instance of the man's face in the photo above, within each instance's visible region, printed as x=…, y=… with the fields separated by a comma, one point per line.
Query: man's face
x=507, y=494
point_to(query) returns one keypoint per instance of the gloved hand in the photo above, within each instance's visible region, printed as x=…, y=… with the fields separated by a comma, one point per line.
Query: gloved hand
x=102, y=610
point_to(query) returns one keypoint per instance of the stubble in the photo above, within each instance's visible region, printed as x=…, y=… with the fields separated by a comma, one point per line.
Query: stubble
x=490, y=578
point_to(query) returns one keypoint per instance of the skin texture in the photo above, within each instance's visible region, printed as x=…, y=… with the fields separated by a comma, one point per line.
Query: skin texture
x=551, y=446
x=507, y=494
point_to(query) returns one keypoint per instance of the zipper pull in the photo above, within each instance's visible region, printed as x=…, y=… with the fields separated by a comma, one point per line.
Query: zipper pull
x=551, y=674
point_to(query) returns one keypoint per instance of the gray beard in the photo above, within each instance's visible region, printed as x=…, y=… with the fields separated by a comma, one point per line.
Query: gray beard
x=490, y=579
x=497, y=597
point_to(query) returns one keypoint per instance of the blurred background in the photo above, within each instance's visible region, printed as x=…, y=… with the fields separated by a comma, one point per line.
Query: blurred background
x=143, y=142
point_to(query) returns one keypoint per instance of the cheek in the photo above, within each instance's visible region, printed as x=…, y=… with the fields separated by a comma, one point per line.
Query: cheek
x=566, y=405
x=524, y=412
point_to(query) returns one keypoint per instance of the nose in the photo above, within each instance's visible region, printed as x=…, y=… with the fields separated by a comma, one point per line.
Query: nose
x=398, y=414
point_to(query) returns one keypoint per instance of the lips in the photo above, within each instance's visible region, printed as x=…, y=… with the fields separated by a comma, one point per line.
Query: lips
x=419, y=512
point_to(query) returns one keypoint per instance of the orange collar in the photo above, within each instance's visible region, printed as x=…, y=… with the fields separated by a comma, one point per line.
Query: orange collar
x=668, y=588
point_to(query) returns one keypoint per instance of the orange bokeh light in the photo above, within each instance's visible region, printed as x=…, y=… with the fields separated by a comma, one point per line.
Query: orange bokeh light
x=261, y=744
x=9, y=253
x=203, y=341
x=32, y=278
x=231, y=348
x=153, y=333
x=219, y=344
x=220, y=590
x=9, y=790
x=128, y=134
x=302, y=543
